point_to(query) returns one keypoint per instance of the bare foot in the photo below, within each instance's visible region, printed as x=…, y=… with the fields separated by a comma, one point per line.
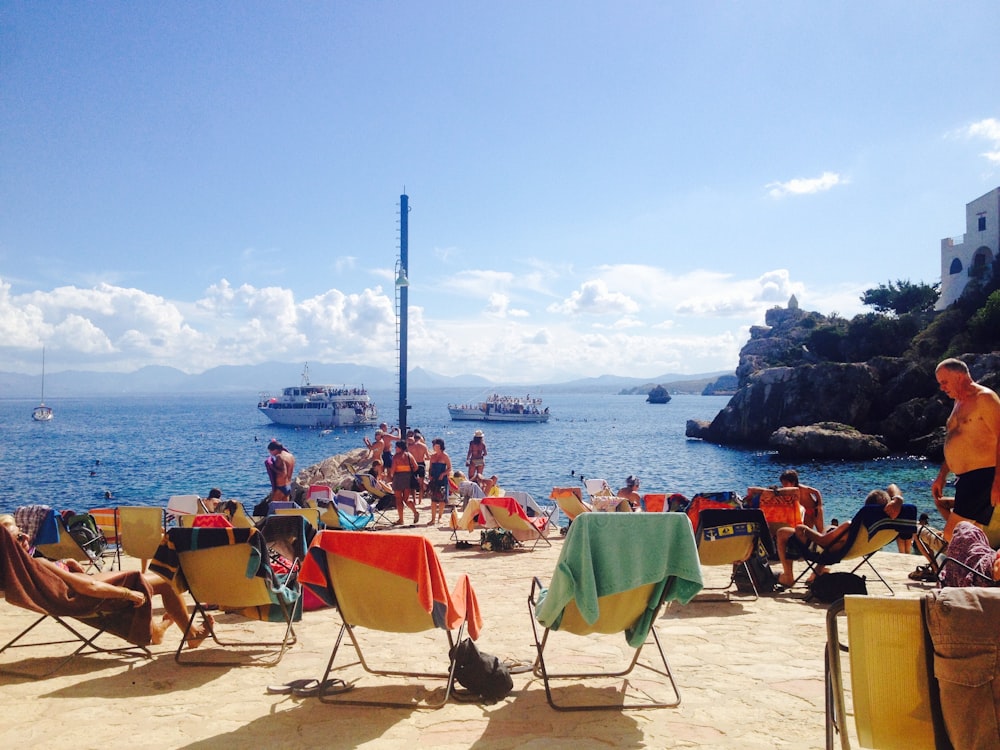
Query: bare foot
x=158, y=629
x=200, y=633
x=786, y=581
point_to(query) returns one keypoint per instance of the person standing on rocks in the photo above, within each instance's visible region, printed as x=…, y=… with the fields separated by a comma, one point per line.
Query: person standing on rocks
x=280, y=470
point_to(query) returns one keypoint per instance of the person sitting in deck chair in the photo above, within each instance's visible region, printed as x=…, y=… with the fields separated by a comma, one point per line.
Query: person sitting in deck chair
x=801, y=537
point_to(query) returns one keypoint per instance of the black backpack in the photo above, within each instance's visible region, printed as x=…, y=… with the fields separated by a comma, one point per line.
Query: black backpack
x=483, y=675
x=764, y=579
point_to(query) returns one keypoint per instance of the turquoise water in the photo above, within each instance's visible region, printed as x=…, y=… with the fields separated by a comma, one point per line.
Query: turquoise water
x=151, y=447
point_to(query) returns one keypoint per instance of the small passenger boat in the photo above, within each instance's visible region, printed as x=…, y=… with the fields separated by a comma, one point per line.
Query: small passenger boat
x=320, y=406
x=499, y=408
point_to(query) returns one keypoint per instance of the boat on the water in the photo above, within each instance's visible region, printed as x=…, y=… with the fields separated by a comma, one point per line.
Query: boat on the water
x=499, y=408
x=42, y=413
x=320, y=406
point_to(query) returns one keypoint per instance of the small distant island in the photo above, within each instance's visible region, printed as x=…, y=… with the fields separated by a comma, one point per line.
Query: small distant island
x=658, y=395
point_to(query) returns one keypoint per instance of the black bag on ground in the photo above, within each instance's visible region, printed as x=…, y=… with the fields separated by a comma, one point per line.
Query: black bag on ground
x=764, y=578
x=830, y=587
x=480, y=673
x=84, y=529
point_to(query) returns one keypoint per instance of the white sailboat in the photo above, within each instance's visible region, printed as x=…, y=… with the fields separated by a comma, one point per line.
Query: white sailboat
x=42, y=413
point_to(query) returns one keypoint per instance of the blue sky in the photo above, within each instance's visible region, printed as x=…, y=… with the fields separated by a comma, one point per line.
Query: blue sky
x=595, y=187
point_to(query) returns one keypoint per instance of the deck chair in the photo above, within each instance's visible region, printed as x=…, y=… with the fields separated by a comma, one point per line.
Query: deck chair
x=311, y=515
x=319, y=496
x=140, y=531
x=349, y=511
x=69, y=547
x=527, y=501
x=505, y=513
x=238, y=516
x=231, y=568
x=780, y=506
x=892, y=686
x=30, y=584
x=466, y=522
x=570, y=501
x=105, y=520
x=871, y=529
x=595, y=588
x=179, y=505
x=344, y=570
x=705, y=500
x=730, y=537
x=654, y=503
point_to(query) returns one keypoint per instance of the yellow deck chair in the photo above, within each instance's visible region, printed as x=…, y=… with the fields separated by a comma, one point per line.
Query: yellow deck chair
x=390, y=583
x=466, y=522
x=506, y=513
x=239, y=518
x=140, y=531
x=890, y=675
x=231, y=569
x=597, y=587
x=570, y=501
x=729, y=537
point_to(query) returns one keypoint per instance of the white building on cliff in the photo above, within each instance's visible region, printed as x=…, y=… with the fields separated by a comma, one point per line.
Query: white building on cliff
x=971, y=256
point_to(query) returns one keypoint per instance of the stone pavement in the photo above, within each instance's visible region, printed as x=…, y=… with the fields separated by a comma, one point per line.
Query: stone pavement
x=750, y=675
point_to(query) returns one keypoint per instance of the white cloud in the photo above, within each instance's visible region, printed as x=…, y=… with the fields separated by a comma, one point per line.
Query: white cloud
x=988, y=130
x=594, y=298
x=805, y=185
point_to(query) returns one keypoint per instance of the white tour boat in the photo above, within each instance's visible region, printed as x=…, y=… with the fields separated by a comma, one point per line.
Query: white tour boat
x=322, y=406
x=499, y=408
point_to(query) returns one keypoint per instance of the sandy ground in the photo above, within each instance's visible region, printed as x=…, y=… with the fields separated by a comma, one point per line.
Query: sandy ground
x=750, y=675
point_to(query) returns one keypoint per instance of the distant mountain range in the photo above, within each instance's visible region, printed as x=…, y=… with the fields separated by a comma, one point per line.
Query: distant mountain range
x=273, y=376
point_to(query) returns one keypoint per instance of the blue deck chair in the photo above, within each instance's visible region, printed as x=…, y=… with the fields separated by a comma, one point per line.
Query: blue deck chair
x=871, y=529
x=350, y=511
x=615, y=573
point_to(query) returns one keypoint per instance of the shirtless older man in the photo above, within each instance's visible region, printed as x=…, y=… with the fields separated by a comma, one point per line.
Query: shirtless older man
x=971, y=451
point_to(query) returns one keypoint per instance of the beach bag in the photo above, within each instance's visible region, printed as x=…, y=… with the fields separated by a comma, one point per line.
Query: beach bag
x=497, y=540
x=482, y=674
x=763, y=577
x=830, y=587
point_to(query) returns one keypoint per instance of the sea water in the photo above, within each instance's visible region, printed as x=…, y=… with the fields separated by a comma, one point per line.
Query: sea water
x=140, y=450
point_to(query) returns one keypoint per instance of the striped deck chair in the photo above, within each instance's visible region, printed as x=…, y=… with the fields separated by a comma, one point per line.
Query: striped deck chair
x=389, y=583
x=232, y=569
x=598, y=588
x=780, y=506
x=505, y=513
x=466, y=522
x=31, y=584
x=704, y=500
x=105, y=520
x=349, y=511
x=654, y=502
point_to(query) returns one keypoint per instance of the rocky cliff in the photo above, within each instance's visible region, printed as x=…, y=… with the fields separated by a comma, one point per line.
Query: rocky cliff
x=892, y=403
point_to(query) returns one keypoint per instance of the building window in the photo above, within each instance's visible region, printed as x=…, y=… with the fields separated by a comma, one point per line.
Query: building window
x=982, y=223
x=956, y=267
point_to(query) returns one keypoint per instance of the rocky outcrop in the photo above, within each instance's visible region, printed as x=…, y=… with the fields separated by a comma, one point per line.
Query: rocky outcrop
x=892, y=403
x=658, y=395
x=337, y=471
x=826, y=440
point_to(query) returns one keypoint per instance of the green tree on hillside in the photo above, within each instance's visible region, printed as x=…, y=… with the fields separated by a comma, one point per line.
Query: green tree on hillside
x=902, y=297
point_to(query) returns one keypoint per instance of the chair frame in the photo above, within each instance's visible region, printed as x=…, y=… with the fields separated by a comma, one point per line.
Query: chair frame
x=541, y=670
x=85, y=643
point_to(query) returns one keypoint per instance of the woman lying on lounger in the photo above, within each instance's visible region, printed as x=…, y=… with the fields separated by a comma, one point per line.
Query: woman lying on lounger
x=97, y=587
